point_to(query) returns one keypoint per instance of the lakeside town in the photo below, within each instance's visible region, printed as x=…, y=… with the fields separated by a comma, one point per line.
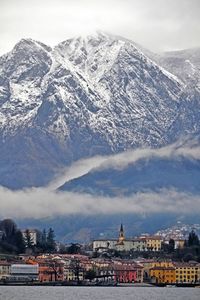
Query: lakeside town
x=167, y=258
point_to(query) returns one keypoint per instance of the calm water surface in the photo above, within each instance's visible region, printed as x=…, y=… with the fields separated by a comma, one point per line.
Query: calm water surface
x=97, y=293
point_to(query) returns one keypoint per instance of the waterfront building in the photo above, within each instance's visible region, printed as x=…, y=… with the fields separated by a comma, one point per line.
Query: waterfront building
x=187, y=272
x=4, y=269
x=148, y=264
x=105, y=273
x=124, y=273
x=24, y=272
x=49, y=269
x=73, y=273
x=100, y=263
x=198, y=273
x=162, y=274
x=163, y=264
x=127, y=271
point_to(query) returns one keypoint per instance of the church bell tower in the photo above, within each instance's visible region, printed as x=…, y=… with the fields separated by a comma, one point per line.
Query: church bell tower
x=121, y=234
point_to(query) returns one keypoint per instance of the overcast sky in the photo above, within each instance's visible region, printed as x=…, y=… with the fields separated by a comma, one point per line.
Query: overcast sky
x=157, y=24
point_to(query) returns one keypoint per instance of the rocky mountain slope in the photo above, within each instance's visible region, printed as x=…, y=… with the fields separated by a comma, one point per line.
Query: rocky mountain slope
x=154, y=174
x=97, y=95
x=185, y=64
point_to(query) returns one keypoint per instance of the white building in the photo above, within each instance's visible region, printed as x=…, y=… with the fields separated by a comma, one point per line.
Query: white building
x=120, y=244
x=102, y=245
x=24, y=272
x=139, y=245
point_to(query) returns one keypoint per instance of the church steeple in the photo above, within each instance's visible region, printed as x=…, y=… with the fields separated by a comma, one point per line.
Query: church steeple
x=121, y=234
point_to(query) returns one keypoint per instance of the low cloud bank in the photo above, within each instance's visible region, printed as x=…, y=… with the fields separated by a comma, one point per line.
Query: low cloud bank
x=46, y=202
x=39, y=203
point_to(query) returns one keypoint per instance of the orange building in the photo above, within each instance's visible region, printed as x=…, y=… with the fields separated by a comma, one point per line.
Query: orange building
x=163, y=274
x=49, y=269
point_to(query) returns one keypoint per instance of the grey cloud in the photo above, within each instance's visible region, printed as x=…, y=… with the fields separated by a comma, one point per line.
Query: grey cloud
x=76, y=170
x=39, y=203
x=45, y=202
x=157, y=24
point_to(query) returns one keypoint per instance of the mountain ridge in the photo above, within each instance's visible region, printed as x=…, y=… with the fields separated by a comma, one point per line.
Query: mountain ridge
x=84, y=97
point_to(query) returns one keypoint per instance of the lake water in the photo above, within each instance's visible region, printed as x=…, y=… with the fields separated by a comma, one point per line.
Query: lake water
x=97, y=293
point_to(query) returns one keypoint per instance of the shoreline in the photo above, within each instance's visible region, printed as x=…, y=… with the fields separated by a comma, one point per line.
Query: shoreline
x=75, y=284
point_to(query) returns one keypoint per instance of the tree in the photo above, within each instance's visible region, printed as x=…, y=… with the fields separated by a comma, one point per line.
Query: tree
x=188, y=256
x=185, y=243
x=55, y=269
x=51, y=244
x=19, y=240
x=44, y=237
x=76, y=268
x=41, y=245
x=171, y=245
x=9, y=228
x=43, y=241
x=28, y=239
x=193, y=239
x=63, y=249
x=12, y=240
x=90, y=274
x=73, y=249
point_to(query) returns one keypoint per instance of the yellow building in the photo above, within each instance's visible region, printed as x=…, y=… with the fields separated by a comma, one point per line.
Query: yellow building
x=4, y=269
x=198, y=273
x=153, y=243
x=187, y=272
x=148, y=264
x=163, y=274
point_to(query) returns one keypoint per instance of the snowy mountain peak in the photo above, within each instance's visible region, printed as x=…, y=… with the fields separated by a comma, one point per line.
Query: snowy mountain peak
x=91, y=95
x=30, y=44
x=95, y=54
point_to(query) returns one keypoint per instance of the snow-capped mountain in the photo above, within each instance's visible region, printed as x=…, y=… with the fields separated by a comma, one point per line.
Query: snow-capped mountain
x=185, y=64
x=86, y=96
